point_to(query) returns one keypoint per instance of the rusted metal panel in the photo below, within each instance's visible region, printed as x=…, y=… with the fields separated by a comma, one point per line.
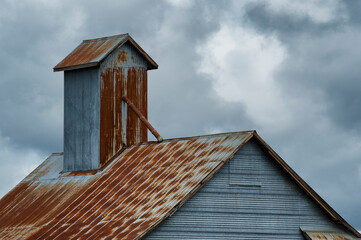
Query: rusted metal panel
x=93, y=51
x=122, y=73
x=136, y=131
x=144, y=105
x=132, y=195
x=132, y=119
x=119, y=78
x=112, y=88
x=325, y=235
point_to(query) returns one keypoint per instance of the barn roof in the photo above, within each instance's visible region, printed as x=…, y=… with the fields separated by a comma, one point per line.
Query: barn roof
x=92, y=52
x=140, y=188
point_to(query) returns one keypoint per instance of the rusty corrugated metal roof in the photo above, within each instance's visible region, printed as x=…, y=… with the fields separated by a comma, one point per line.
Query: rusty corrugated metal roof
x=140, y=188
x=91, y=52
x=325, y=235
x=144, y=185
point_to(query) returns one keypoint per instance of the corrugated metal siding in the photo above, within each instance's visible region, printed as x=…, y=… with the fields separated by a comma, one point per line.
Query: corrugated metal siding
x=81, y=119
x=124, y=72
x=229, y=206
x=132, y=194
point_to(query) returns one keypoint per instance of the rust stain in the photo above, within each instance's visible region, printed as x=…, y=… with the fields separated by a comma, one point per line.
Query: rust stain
x=327, y=235
x=107, y=115
x=119, y=92
x=122, y=56
x=319, y=236
x=132, y=119
x=137, y=94
x=135, y=60
x=339, y=237
x=138, y=189
x=144, y=105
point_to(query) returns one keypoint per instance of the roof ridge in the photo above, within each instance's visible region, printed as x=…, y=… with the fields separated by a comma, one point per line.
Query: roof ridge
x=108, y=37
x=204, y=136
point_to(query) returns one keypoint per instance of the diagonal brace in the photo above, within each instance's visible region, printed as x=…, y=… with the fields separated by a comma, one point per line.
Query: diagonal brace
x=142, y=118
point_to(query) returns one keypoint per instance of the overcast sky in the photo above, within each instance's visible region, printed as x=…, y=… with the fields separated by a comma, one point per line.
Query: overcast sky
x=289, y=69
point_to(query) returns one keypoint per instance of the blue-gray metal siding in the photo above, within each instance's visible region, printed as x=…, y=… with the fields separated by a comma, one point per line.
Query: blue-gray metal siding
x=249, y=198
x=133, y=58
x=81, y=119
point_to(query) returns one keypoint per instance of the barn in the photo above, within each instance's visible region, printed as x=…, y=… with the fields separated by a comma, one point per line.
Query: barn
x=112, y=183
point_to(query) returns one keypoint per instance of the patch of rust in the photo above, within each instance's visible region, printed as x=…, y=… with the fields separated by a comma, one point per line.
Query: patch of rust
x=122, y=56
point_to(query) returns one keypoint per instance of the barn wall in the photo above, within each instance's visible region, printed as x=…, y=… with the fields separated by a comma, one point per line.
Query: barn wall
x=81, y=119
x=249, y=198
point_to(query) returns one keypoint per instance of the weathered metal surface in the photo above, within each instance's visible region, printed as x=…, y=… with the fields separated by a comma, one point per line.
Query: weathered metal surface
x=326, y=235
x=132, y=195
x=96, y=122
x=249, y=198
x=93, y=51
x=112, y=88
x=124, y=72
x=143, y=119
x=135, y=93
x=81, y=119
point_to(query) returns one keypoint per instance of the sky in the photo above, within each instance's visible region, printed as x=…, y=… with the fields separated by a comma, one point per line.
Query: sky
x=288, y=69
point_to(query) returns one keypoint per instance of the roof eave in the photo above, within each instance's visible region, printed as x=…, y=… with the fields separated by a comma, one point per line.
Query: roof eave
x=74, y=67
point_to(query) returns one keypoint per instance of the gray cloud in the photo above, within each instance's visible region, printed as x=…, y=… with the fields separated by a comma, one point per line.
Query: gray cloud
x=322, y=58
x=285, y=24
x=353, y=8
